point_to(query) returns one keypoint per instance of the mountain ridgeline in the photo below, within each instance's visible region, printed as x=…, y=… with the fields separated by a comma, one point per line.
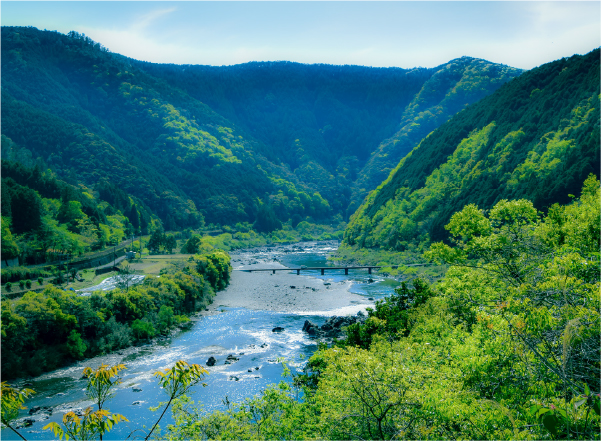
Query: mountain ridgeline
x=536, y=138
x=222, y=145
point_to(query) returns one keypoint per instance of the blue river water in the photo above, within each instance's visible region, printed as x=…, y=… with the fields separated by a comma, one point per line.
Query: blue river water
x=246, y=334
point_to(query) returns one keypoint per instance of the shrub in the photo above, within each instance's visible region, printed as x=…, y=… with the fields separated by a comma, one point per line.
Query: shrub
x=142, y=329
x=21, y=284
x=40, y=280
x=8, y=286
x=28, y=283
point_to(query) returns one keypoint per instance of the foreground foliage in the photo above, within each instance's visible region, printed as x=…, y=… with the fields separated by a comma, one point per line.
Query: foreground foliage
x=93, y=424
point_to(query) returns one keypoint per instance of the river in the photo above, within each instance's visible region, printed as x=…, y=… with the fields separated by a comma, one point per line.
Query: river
x=245, y=333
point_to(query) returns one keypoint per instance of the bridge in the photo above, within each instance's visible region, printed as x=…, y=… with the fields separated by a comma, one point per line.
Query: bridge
x=323, y=268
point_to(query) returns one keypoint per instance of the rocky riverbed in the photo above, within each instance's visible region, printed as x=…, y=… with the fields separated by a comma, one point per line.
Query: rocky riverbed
x=284, y=291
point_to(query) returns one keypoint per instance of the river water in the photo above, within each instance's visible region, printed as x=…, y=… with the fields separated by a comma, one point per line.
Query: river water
x=246, y=334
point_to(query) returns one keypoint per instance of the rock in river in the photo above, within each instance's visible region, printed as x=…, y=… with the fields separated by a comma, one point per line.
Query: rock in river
x=277, y=329
x=211, y=361
x=231, y=359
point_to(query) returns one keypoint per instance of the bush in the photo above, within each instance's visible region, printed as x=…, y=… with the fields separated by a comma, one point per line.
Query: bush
x=142, y=329
x=21, y=284
x=40, y=280
x=8, y=286
x=28, y=283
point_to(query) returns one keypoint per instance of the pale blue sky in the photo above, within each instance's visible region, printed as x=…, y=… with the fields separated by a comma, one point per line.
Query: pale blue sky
x=403, y=34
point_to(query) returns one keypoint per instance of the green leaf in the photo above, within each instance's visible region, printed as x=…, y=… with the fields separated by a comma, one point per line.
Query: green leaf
x=534, y=409
x=550, y=421
x=580, y=402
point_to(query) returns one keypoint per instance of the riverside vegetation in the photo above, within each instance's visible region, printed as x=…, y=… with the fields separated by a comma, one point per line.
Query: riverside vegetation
x=506, y=346
x=43, y=331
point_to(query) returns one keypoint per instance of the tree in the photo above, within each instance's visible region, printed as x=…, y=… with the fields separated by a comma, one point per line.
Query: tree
x=10, y=249
x=192, y=245
x=12, y=403
x=26, y=208
x=266, y=220
x=169, y=243
x=537, y=281
x=156, y=241
x=124, y=278
x=177, y=381
x=75, y=345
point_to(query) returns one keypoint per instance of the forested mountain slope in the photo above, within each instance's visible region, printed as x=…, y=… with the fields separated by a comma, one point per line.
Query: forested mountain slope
x=327, y=123
x=222, y=144
x=453, y=86
x=537, y=137
x=90, y=115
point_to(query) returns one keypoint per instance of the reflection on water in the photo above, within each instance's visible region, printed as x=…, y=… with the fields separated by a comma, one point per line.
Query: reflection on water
x=245, y=334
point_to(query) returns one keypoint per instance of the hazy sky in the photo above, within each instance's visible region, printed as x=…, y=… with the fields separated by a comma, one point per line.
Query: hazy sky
x=403, y=34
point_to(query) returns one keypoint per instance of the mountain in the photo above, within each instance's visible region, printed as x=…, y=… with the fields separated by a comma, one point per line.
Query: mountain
x=221, y=144
x=327, y=123
x=536, y=137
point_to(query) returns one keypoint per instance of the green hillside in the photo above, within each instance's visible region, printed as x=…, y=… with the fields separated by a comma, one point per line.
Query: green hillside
x=537, y=137
x=222, y=144
x=454, y=86
x=327, y=123
x=90, y=115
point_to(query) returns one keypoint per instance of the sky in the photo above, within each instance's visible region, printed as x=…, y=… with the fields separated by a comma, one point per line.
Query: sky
x=380, y=34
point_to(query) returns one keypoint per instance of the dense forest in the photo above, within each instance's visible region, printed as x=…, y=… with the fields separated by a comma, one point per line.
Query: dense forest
x=537, y=137
x=352, y=124
x=44, y=217
x=222, y=145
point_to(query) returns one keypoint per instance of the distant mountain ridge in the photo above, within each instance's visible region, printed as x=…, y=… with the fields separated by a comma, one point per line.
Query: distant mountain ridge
x=536, y=137
x=219, y=143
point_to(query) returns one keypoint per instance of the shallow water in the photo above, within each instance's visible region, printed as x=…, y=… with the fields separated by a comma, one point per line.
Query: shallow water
x=247, y=334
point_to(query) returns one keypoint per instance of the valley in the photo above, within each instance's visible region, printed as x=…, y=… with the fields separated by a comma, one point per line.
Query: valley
x=472, y=187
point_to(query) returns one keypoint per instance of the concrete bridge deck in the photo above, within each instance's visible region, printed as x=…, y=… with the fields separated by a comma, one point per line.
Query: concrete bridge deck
x=324, y=268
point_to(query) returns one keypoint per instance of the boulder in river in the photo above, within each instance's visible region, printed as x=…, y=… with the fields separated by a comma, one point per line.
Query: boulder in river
x=40, y=409
x=231, y=359
x=211, y=361
x=277, y=329
x=333, y=327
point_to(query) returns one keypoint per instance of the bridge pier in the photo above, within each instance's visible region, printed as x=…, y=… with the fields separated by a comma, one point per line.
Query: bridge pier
x=322, y=271
x=273, y=271
x=369, y=270
x=346, y=271
x=298, y=272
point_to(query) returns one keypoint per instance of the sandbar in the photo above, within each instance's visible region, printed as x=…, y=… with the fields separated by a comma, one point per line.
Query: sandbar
x=284, y=291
